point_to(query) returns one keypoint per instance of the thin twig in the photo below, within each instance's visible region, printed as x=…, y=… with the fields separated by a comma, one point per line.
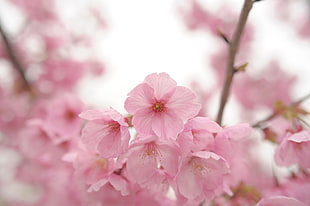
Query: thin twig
x=233, y=48
x=273, y=115
x=223, y=36
x=13, y=58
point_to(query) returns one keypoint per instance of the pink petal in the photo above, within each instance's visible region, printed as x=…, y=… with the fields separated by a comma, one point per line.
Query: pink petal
x=204, y=123
x=183, y=103
x=91, y=114
x=103, y=114
x=162, y=83
x=294, y=149
x=140, y=167
x=285, y=154
x=142, y=121
x=303, y=136
x=119, y=183
x=280, y=201
x=303, y=154
x=188, y=184
x=125, y=136
x=140, y=97
x=214, y=161
x=110, y=145
x=96, y=186
x=167, y=125
x=237, y=132
x=170, y=157
x=92, y=134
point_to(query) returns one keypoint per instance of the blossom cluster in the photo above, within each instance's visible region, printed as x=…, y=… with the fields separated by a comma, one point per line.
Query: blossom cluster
x=172, y=148
x=174, y=157
x=164, y=150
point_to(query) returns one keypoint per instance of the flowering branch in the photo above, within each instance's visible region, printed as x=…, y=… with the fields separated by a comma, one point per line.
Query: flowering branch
x=275, y=114
x=233, y=48
x=13, y=58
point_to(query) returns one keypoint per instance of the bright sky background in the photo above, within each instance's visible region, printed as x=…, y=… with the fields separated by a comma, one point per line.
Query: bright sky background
x=147, y=36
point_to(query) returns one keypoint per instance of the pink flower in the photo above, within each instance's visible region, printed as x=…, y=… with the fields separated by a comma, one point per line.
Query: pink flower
x=36, y=146
x=92, y=168
x=61, y=122
x=201, y=175
x=304, y=30
x=56, y=78
x=38, y=10
x=257, y=91
x=229, y=141
x=147, y=155
x=106, y=132
x=233, y=144
x=280, y=201
x=159, y=106
x=294, y=149
x=198, y=135
x=297, y=187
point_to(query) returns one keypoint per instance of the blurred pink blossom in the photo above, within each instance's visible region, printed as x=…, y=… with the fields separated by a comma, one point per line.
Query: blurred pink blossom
x=280, y=201
x=201, y=175
x=106, y=132
x=294, y=148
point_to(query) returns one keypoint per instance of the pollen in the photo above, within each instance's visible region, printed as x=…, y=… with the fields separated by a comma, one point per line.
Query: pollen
x=114, y=126
x=70, y=115
x=198, y=167
x=158, y=107
x=151, y=151
x=102, y=163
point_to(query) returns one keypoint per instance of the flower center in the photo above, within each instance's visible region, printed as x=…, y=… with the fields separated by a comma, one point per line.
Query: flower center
x=114, y=126
x=198, y=167
x=158, y=107
x=150, y=150
x=101, y=163
x=70, y=115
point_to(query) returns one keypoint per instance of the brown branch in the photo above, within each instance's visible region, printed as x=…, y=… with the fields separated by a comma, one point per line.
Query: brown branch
x=232, y=51
x=13, y=58
x=273, y=115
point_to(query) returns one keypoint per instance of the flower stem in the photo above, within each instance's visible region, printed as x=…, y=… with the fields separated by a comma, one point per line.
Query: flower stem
x=232, y=51
x=273, y=115
x=13, y=58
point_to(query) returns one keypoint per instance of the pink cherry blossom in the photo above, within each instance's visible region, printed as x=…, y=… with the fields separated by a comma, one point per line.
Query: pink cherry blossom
x=106, y=132
x=296, y=187
x=236, y=132
x=159, y=106
x=304, y=30
x=280, y=201
x=197, y=18
x=91, y=159
x=257, y=91
x=294, y=149
x=201, y=175
x=228, y=141
x=198, y=134
x=38, y=10
x=55, y=77
x=150, y=154
x=61, y=122
x=14, y=111
x=37, y=146
x=235, y=145
x=93, y=169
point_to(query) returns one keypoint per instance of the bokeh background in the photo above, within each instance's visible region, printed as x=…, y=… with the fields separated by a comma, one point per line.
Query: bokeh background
x=134, y=38
x=141, y=37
